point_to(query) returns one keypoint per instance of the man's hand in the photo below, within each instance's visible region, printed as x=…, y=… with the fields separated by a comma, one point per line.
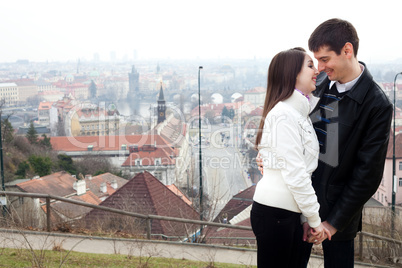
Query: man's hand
x=329, y=227
x=258, y=160
x=316, y=238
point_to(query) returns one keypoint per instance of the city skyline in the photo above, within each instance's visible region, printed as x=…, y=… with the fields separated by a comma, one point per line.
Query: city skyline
x=51, y=31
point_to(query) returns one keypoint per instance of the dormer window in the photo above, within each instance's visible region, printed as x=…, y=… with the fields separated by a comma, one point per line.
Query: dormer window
x=138, y=162
x=158, y=162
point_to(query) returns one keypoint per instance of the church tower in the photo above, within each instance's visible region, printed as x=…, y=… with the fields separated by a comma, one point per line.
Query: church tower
x=161, y=106
x=133, y=81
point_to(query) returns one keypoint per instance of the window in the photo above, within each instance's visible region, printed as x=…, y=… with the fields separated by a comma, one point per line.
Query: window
x=138, y=162
x=400, y=182
x=400, y=165
x=158, y=175
x=158, y=161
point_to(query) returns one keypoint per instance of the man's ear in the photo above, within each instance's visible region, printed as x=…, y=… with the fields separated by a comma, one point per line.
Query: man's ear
x=347, y=50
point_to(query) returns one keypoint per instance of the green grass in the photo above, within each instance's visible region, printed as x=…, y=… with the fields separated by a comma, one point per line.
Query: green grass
x=49, y=258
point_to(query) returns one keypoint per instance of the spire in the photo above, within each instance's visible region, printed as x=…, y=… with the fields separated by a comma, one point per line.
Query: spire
x=161, y=97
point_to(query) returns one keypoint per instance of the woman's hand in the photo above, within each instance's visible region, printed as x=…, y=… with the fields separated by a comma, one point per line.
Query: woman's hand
x=319, y=234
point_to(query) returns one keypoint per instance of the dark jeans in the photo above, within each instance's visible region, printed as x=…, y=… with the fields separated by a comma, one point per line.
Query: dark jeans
x=279, y=236
x=336, y=253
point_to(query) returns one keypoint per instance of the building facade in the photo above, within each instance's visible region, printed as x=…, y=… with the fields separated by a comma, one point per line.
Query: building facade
x=9, y=93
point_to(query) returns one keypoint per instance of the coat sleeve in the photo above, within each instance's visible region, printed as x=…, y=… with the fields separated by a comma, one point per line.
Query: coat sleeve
x=367, y=170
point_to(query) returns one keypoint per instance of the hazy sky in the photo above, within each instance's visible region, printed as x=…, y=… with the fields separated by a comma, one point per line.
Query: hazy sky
x=68, y=30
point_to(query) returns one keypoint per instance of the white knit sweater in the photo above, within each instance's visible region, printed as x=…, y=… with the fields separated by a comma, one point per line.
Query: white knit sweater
x=289, y=149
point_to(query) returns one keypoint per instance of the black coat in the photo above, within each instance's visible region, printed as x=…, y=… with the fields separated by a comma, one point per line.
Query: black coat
x=358, y=139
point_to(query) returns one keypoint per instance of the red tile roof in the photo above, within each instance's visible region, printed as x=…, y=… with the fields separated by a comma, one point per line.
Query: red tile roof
x=174, y=131
x=72, y=211
x=179, y=193
x=398, y=145
x=148, y=157
x=105, y=143
x=59, y=184
x=45, y=105
x=238, y=207
x=146, y=195
x=237, y=204
x=94, y=184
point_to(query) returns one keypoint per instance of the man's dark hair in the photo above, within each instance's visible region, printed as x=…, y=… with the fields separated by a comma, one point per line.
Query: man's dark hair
x=334, y=33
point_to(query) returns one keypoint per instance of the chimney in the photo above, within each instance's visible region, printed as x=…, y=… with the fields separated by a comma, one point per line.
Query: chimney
x=81, y=187
x=114, y=184
x=88, y=177
x=103, y=187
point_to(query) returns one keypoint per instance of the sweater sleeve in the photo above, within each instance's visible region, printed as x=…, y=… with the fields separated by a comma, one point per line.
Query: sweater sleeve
x=287, y=145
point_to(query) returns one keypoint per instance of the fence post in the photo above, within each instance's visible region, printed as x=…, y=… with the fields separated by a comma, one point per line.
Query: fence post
x=148, y=228
x=361, y=246
x=48, y=213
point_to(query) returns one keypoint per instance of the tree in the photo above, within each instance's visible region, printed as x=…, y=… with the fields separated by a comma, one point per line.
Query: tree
x=231, y=113
x=7, y=131
x=210, y=116
x=34, y=101
x=45, y=142
x=225, y=113
x=23, y=167
x=94, y=165
x=92, y=90
x=32, y=135
x=66, y=163
x=60, y=131
x=42, y=165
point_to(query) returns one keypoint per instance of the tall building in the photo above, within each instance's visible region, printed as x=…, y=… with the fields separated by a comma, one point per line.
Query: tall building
x=133, y=81
x=161, y=106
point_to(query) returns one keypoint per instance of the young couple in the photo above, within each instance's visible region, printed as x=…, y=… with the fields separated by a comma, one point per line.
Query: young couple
x=321, y=156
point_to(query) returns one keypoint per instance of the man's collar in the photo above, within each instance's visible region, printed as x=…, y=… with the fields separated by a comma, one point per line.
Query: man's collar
x=348, y=85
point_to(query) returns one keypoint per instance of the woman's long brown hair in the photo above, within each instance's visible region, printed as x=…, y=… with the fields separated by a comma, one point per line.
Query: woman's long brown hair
x=282, y=74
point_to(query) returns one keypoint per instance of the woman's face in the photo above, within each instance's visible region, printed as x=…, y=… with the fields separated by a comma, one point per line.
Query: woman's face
x=306, y=79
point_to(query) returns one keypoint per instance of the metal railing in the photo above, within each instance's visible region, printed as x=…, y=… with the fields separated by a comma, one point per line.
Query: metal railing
x=148, y=219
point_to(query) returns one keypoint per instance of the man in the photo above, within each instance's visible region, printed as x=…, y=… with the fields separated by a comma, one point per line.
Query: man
x=352, y=121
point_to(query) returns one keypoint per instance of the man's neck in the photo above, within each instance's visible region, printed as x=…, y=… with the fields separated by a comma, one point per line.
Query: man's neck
x=353, y=73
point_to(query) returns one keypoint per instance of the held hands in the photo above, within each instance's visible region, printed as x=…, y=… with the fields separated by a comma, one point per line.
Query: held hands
x=319, y=234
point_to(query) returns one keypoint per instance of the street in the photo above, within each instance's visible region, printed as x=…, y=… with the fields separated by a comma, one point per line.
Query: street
x=224, y=168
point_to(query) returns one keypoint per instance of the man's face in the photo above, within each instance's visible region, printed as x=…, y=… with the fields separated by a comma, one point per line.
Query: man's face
x=335, y=66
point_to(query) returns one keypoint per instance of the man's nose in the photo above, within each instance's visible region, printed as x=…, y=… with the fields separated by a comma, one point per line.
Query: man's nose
x=321, y=67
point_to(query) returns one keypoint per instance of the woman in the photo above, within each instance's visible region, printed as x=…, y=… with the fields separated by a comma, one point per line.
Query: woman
x=284, y=198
